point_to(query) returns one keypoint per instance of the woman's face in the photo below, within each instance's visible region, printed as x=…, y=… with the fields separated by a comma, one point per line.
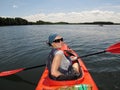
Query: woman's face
x=58, y=42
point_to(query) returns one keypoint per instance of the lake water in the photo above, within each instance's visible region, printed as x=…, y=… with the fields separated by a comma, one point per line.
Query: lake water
x=25, y=46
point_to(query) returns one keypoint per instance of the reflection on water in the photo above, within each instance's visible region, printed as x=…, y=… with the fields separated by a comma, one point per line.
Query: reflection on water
x=16, y=78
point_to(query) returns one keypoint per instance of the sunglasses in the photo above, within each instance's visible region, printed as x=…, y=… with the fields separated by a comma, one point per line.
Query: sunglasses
x=58, y=40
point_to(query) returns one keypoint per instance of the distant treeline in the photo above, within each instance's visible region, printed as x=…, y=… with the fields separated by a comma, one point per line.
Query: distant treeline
x=101, y=23
x=12, y=21
x=19, y=21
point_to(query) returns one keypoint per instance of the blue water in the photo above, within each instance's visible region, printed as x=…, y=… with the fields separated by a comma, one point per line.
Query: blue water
x=25, y=46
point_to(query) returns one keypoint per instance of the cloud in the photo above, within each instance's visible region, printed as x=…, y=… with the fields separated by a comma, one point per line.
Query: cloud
x=15, y=6
x=77, y=17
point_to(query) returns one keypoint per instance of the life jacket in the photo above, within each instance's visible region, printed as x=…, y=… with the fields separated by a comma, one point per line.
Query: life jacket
x=65, y=49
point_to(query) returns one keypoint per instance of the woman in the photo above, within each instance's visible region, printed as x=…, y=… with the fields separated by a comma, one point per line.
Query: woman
x=61, y=66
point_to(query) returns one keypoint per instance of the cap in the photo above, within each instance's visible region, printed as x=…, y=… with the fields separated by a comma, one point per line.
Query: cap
x=52, y=37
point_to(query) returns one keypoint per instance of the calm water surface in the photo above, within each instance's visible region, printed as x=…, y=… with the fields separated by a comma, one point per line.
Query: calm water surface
x=25, y=46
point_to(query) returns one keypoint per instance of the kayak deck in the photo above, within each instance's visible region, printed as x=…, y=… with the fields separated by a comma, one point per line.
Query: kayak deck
x=86, y=81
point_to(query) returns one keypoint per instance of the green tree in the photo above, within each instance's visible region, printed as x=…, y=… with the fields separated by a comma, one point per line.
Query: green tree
x=20, y=21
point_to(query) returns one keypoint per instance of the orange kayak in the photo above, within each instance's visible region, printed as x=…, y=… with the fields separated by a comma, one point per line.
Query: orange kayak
x=85, y=82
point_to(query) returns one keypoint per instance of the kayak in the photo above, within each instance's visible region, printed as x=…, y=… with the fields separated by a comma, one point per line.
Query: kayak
x=85, y=82
x=45, y=83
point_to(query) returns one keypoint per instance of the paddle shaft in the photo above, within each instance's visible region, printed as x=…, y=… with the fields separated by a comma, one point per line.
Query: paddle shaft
x=92, y=54
x=35, y=67
x=77, y=57
x=70, y=54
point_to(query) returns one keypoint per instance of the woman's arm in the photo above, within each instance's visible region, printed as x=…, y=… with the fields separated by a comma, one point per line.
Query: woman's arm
x=55, y=65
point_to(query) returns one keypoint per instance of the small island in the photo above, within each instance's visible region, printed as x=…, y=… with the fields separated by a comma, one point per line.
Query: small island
x=20, y=21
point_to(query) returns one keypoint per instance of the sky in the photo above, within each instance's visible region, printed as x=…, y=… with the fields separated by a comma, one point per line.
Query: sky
x=73, y=11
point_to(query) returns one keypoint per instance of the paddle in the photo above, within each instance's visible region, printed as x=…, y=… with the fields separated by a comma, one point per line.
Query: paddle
x=10, y=72
x=115, y=48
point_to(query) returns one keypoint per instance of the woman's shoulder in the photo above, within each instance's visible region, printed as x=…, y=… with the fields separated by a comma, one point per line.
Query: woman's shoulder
x=59, y=52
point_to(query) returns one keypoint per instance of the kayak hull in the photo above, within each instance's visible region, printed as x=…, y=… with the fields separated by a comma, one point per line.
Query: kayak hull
x=45, y=83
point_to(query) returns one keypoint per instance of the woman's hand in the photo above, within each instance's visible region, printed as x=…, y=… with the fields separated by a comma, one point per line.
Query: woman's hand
x=73, y=58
